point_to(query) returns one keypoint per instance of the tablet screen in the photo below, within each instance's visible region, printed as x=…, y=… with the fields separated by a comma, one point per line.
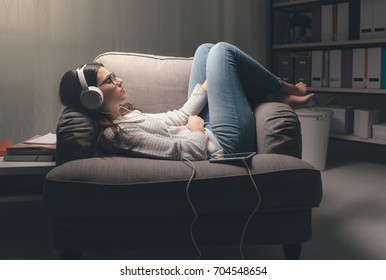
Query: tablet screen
x=233, y=157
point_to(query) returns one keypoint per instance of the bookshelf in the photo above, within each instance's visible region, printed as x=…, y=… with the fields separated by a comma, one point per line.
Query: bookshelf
x=282, y=11
x=348, y=44
x=361, y=91
x=349, y=137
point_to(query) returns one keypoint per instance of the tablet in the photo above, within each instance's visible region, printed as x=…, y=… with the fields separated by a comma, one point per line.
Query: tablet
x=233, y=157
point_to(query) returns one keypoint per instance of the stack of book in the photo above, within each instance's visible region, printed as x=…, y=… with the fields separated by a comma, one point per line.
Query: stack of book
x=37, y=148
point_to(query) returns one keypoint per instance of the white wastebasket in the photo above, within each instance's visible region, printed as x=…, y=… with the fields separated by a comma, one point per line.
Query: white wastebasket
x=315, y=126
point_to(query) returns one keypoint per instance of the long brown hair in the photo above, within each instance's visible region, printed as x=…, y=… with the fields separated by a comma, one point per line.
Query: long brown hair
x=69, y=92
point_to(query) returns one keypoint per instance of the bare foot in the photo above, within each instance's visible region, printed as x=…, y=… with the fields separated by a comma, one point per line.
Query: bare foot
x=291, y=100
x=297, y=100
x=290, y=89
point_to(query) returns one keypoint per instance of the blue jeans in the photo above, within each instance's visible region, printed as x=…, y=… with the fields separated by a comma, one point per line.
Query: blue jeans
x=235, y=82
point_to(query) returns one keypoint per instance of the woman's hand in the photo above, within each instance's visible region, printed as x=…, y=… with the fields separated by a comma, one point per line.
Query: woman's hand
x=195, y=123
x=205, y=85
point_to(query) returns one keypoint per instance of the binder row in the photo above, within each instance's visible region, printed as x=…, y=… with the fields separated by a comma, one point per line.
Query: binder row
x=372, y=19
x=347, y=68
x=356, y=68
x=332, y=22
x=337, y=22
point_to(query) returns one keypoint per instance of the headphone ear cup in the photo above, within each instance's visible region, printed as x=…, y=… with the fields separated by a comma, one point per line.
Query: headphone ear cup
x=92, y=98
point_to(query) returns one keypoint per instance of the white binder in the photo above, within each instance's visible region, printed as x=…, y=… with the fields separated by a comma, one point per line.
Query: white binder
x=366, y=20
x=379, y=23
x=335, y=68
x=374, y=62
x=342, y=21
x=317, y=68
x=358, y=68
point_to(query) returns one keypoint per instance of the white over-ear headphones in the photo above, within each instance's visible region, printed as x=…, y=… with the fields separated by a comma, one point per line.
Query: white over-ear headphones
x=91, y=97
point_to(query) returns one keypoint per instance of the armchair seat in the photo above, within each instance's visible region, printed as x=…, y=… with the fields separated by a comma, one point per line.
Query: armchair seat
x=132, y=187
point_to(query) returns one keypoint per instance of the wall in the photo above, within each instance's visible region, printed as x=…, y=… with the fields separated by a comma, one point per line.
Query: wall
x=41, y=40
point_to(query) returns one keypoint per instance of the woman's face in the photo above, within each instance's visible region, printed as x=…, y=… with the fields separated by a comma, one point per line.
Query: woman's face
x=114, y=93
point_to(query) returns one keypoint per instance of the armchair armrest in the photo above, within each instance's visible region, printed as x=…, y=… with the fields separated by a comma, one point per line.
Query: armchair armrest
x=278, y=130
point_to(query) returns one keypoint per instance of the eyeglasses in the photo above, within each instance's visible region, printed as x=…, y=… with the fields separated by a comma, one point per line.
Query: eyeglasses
x=111, y=79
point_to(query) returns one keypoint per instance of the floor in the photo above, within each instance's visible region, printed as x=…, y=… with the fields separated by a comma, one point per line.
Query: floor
x=351, y=220
x=349, y=224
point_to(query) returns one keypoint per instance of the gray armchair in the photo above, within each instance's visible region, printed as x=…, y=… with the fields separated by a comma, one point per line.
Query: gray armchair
x=99, y=203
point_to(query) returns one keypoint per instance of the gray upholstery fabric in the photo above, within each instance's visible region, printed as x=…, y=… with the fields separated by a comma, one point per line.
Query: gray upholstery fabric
x=154, y=83
x=278, y=130
x=75, y=133
x=129, y=187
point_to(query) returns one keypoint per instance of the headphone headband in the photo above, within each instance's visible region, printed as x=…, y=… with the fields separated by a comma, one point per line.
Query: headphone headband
x=82, y=78
x=91, y=97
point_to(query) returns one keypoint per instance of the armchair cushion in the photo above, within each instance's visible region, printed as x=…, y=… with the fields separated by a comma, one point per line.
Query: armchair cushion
x=132, y=187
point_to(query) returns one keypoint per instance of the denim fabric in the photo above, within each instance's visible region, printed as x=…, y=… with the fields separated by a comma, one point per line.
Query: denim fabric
x=235, y=82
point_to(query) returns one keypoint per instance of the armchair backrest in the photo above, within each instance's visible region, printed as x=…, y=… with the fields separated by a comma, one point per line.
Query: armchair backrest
x=154, y=84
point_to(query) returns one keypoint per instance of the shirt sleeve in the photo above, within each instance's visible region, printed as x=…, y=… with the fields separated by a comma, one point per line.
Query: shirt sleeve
x=139, y=143
x=193, y=106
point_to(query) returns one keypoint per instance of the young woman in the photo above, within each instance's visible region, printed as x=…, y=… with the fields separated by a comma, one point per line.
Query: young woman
x=217, y=117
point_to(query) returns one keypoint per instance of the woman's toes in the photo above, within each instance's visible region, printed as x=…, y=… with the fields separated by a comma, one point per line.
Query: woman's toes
x=302, y=87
